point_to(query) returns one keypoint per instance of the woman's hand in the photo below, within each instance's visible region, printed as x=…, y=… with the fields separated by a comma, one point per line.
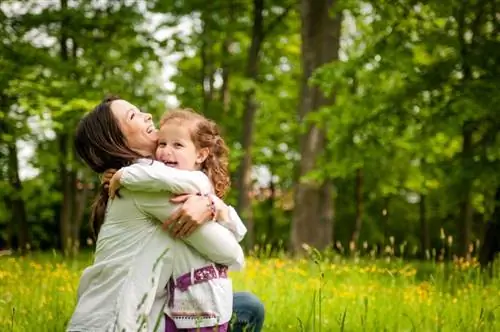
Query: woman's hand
x=195, y=211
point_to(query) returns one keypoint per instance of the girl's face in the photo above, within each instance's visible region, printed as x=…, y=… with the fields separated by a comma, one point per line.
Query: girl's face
x=176, y=148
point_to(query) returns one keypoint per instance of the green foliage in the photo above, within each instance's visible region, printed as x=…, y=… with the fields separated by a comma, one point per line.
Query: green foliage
x=414, y=78
x=58, y=61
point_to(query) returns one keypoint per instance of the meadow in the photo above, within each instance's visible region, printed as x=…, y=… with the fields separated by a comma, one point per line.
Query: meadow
x=38, y=293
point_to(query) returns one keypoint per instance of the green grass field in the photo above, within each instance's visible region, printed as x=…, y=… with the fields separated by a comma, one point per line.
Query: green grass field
x=38, y=293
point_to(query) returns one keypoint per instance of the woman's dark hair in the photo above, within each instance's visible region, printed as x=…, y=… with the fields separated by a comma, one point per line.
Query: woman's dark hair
x=100, y=142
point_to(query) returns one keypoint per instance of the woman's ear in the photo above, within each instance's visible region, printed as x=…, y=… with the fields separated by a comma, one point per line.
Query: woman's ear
x=202, y=155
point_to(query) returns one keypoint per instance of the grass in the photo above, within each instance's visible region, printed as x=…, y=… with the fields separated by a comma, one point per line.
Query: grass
x=38, y=293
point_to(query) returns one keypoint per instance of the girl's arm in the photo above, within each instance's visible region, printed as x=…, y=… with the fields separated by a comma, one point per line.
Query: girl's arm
x=155, y=176
x=229, y=218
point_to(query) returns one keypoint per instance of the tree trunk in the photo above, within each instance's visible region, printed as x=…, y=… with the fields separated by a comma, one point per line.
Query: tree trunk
x=204, y=69
x=17, y=228
x=465, y=218
x=327, y=204
x=245, y=171
x=386, y=217
x=67, y=186
x=11, y=241
x=490, y=242
x=65, y=174
x=320, y=45
x=82, y=195
x=18, y=215
x=270, y=208
x=359, y=206
x=225, y=91
x=425, y=241
x=207, y=70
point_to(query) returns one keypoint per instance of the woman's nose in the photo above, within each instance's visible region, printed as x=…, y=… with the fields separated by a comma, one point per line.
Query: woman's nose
x=147, y=117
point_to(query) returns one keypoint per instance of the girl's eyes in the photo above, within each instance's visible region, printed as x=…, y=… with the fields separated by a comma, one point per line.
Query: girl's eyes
x=175, y=145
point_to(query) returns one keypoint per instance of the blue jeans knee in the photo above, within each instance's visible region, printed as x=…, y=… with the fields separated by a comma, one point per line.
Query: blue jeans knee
x=248, y=313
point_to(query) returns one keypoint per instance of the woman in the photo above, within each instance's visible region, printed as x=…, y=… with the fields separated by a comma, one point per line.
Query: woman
x=114, y=135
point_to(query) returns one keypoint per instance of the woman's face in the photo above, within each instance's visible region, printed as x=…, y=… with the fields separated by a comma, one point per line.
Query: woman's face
x=137, y=127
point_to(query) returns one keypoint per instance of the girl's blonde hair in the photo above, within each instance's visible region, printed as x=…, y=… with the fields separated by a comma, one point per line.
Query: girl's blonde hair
x=205, y=134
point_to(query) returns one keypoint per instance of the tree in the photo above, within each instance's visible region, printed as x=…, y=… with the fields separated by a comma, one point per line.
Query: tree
x=312, y=218
x=75, y=54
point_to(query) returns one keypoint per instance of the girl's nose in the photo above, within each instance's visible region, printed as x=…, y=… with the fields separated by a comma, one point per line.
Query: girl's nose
x=167, y=150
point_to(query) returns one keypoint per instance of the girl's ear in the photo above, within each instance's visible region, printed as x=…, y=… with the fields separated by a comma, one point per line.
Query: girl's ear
x=202, y=155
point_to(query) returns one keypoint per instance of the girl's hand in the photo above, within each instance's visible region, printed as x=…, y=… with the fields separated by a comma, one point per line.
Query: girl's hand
x=106, y=177
x=222, y=210
x=114, y=184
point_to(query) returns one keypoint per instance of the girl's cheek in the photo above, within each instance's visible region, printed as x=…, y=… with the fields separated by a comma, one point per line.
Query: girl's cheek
x=158, y=153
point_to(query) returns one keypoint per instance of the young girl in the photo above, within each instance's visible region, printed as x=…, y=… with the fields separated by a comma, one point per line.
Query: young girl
x=200, y=293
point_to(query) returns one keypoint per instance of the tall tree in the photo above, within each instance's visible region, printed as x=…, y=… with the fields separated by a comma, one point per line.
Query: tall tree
x=250, y=107
x=313, y=201
x=259, y=33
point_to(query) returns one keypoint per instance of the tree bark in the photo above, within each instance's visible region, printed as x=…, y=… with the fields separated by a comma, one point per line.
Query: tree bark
x=466, y=211
x=18, y=215
x=17, y=228
x=386, y=215
x=245, y=171
x=490, y=242
x=327, y=211
x=359, y=206
x=320, y=45
x=11, y=227
x=65, y=173
x=207, y=65
x=425, y=241
x=465, y=218
x=67, y=200
x=226, y=67
x=204, y=70
x=270, y=206
x=82, y=195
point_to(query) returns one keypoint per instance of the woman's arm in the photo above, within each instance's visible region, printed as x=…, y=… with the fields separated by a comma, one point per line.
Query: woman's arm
x=155, y=176
x=211, y=239
x=186, y=220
